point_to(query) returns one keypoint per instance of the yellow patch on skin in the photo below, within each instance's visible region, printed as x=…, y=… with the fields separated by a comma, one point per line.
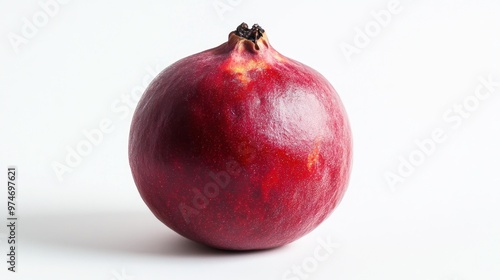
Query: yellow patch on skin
x=244, y=79
x=313, y=155
x=240, y=68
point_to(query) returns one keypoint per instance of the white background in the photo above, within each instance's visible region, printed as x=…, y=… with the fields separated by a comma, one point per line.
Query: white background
x=78, y=68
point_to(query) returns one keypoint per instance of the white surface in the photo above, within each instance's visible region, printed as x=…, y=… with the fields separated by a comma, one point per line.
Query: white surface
x=441, y=223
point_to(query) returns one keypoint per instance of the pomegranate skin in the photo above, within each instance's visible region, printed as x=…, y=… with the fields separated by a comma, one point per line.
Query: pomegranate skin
x=239, y=147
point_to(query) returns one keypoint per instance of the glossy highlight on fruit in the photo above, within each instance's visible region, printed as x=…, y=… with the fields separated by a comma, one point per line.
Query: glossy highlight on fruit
x=239, y=147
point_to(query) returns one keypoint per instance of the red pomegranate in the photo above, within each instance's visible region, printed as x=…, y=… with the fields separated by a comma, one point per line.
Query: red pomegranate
x=239, y=147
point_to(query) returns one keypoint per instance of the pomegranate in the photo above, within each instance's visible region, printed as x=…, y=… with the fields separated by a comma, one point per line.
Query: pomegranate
x=239, y=147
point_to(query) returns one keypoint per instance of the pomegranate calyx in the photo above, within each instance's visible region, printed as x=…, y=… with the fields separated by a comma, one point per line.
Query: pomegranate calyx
x=253, y=34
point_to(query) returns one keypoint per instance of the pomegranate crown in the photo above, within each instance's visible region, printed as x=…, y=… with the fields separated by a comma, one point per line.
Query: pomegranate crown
x=253, y=34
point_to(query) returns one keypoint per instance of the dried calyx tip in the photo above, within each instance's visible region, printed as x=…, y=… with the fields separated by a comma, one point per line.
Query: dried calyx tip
x=253, y=34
